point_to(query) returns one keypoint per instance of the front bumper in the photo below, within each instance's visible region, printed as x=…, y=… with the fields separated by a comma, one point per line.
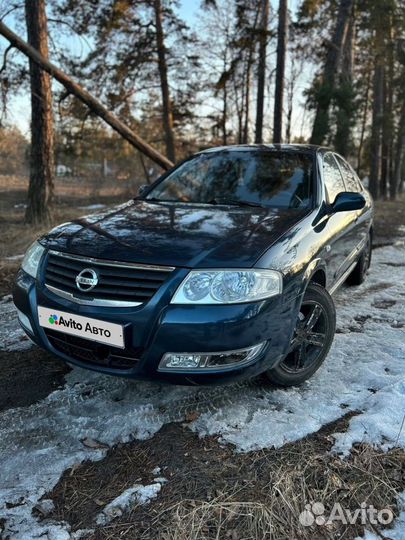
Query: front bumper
x=158, y=327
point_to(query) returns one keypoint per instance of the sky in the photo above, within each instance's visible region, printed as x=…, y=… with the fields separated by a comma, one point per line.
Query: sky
x=19, y=107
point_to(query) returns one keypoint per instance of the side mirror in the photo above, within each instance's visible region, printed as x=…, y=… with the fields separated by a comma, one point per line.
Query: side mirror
x=347, y=201
x=142, y=189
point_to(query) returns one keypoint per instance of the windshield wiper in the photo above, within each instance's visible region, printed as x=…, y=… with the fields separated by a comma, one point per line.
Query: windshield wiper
x=221, y=200
x=236, y=202
x=150, y=199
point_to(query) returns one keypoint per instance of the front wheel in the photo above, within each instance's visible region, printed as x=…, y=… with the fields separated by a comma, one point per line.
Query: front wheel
x=311, y=340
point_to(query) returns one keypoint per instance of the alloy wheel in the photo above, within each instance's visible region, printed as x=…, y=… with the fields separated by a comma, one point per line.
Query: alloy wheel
x=309, y=339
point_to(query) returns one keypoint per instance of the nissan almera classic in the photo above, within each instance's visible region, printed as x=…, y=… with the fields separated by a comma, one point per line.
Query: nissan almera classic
x=220, y=270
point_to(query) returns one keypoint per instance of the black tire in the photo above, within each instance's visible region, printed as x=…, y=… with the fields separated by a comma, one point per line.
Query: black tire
x=311, y=341
x=358, y=275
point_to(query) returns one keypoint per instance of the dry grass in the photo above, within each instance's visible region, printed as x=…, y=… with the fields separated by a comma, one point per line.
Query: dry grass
x=389, y=216
x=91, y=187
x=197, y=520
x=70, y=195
x=368, y=476
x=214, y=494
x=16, y=236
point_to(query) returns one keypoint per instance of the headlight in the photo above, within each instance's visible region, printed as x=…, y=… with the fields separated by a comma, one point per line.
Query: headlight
x=228, y=286
x=31, y=259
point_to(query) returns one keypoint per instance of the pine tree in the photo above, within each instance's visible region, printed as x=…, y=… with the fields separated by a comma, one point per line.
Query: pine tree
x=280, y=70
x=40, y=189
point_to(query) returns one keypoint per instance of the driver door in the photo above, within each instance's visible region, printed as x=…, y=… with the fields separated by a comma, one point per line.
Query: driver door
x=340, y=226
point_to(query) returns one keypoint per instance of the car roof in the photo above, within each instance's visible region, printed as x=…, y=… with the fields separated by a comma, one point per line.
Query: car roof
x=307, y=148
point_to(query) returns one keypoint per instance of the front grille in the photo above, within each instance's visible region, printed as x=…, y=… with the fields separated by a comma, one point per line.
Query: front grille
x=117, y=282
x=92, y=352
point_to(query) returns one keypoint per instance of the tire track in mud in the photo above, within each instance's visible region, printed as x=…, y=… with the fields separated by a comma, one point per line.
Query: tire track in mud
x=78, y=401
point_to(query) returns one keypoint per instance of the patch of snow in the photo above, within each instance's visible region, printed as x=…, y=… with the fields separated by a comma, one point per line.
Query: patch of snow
x=81, y=533
x=93, y=207
x=138, y=494
x=15, y=257
x=12, y=336
x=45, y=507
x=381, y=421
x=160, y=479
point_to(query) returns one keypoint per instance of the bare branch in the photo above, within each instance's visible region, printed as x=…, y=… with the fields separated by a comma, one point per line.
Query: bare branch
x=3, y=67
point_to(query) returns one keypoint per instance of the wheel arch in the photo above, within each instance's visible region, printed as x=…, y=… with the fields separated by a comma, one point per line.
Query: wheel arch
x=319, y=277
x=315, y=273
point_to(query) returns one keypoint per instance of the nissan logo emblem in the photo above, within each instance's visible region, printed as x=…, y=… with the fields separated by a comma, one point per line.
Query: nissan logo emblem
x=86, y=280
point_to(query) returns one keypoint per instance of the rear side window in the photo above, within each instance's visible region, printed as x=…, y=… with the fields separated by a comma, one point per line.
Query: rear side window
x=333, y=179
x=349, y=176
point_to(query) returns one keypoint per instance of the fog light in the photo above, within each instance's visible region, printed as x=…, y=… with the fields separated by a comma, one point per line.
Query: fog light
x=24, y=320
x=206, y=361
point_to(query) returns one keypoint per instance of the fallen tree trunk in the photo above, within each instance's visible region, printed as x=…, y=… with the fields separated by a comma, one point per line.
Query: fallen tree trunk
x=84, y=96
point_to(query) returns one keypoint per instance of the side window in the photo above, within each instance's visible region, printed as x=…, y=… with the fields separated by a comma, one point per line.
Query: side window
x=360, y=186
x=332, y=177
x=350, y=178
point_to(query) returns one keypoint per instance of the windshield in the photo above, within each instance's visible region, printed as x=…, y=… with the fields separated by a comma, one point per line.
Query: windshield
x=268, y=178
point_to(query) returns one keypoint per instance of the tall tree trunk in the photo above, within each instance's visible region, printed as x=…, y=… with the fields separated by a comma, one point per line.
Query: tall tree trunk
x=248, y=78
x=261, y=74
x=239, y=102
x=402, y=178
x=398, y=178
x=224, y=115
x=364, y=117
x=249, y=62
x=290, y=100
x=327, y=84
x=280, y=70
x=378, y=111
x=40, y=190
x=166, y=103
x=388, y=123
x=345, y=96
x=384, y=140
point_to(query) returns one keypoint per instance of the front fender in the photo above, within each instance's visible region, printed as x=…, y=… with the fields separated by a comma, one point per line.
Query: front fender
x=315, y=271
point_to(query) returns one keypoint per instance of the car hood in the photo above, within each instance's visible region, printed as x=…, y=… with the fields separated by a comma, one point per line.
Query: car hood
x=175, y=234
